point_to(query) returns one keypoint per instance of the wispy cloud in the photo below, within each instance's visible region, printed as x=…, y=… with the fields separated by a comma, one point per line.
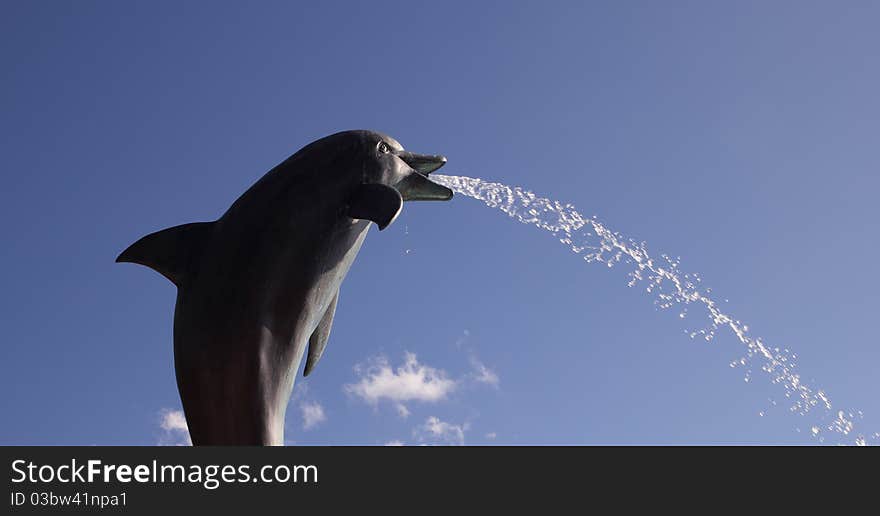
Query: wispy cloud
x=175, y=431
x=394, y=443
x=482, y=374
x=311, y=411
x=491, y=436
x=312, y=414
x=440, y=432
x=411, y=381
x=402, y=410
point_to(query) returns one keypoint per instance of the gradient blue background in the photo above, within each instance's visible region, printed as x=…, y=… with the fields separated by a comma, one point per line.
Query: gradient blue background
x=741, y=136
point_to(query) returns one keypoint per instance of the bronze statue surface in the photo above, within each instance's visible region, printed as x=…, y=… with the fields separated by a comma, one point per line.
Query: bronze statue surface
x=257, y=285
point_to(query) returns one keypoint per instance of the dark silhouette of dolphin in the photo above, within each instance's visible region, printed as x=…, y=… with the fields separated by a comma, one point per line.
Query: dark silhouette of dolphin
x=257, y=284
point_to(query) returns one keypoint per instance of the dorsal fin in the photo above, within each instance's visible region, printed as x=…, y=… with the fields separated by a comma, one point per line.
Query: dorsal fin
x=172, y=252
x=318, y=340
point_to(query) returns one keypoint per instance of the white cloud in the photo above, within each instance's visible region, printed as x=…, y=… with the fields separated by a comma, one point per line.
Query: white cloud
x=437, y=430
x=483, y=374
x=174, y=420
x=176, y=433
x=312, y=413
x=411, y=381
x=394, y=443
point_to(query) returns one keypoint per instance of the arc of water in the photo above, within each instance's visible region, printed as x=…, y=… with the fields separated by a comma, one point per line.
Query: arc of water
x=596, y=243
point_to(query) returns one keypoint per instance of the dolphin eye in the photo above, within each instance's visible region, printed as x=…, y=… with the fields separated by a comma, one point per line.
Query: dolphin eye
x=384, y=148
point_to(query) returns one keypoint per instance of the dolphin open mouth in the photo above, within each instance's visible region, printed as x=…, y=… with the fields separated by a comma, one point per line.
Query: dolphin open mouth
x=417, y=186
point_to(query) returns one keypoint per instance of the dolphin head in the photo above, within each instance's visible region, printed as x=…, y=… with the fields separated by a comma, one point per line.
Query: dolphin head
x=387, y=163
x=385, y=175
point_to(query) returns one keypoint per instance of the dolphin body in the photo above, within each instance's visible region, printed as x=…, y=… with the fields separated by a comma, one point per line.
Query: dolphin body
x=257, y=285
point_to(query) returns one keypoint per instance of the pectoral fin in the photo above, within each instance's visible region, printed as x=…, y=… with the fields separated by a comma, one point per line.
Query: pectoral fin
x=378, y=203
x=318, y=340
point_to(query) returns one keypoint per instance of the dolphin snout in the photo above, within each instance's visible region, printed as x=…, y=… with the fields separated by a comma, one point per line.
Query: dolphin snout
x=416, y=186
x=422, y=163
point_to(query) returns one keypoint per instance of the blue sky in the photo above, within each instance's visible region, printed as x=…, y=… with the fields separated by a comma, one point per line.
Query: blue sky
x=741, y=136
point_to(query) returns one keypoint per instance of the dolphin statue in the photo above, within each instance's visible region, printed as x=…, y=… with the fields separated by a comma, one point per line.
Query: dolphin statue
x=261, y=283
